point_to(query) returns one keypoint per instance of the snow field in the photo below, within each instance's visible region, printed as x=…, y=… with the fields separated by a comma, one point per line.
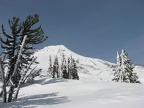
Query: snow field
x=61, y=93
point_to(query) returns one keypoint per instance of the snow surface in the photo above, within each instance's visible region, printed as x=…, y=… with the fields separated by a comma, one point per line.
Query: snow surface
x=94, y=89
x=60, y=93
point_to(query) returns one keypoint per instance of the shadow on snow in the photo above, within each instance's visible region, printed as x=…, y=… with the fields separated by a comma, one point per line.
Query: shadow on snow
x=36, y=100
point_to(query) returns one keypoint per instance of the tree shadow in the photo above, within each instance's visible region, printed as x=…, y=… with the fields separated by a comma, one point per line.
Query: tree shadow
x=36, y=100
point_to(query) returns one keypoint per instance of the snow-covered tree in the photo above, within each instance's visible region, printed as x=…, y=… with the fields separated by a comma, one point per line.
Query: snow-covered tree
x=127, y=68
x=74, y=72
x=72, y=69
x=56, y=73
x=64, y=68
x=124, y=69
x=50, y=68
x=67, y=69
x=118, y=75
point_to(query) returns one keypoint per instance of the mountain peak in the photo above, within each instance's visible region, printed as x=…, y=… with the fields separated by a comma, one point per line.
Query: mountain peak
x=55, y=47
x=61, y=48
x=57, y=50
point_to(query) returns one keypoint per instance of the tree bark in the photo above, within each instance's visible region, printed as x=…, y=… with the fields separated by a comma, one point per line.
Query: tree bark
x=11, y=91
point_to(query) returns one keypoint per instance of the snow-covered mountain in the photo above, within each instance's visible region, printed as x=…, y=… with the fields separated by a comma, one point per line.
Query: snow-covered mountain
x=93, y=68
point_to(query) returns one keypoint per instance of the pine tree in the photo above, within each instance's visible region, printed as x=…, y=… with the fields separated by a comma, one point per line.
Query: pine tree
x=127, y=68
x=50, y=69
x=64, y=68
x=11, y=46
x=124, y=69
x=64, y=72
x=74, y=72
x=118, y=71
x=69, y=69
x=72, y=69
x=56, y=68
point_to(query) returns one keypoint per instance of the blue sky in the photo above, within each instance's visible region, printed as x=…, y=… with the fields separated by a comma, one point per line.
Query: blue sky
x=93, y=28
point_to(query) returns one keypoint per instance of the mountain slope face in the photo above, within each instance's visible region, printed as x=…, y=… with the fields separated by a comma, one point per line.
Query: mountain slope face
x=88, y=68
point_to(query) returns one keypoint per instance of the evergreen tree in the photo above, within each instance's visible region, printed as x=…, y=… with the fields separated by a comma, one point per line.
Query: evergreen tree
x=72, y=69
x=56, y=68
x=64, y=72
x=118, y=75
x=124, y=69
x=50, y=69
x=69, y=69
x=64, y=68
x=127, y=68
x=11, y=46
x=74, y=72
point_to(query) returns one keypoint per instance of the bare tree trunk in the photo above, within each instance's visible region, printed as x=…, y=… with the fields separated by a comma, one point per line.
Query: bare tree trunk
x=4, y=91
x=22, y=79
x=11, y=91
x=17, y=91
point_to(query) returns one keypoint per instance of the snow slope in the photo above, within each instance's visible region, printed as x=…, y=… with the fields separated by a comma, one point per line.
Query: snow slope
x=60, y=93
x=94, y=89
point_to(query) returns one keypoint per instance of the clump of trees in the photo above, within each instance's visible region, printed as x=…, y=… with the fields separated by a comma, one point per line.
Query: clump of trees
x=18, y=47
x=124, y=69
x=67, y=69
